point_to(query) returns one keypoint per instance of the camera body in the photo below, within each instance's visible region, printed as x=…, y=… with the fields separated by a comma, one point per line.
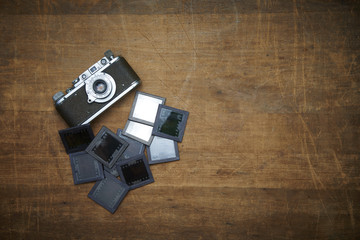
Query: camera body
x=95, y=90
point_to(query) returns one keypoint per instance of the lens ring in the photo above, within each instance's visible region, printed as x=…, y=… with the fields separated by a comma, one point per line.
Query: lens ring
x=99, y=86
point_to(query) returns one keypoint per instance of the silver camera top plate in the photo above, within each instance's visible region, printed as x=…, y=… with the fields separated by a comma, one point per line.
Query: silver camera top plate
x=81, y=81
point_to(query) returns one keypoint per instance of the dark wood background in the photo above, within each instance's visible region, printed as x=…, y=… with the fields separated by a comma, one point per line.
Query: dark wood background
x=271, y=149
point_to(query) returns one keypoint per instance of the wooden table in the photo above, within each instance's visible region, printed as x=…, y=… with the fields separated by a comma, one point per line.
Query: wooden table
x=271, y=149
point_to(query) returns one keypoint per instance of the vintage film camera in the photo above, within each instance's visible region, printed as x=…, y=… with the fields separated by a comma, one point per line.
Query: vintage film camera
x=96, y=89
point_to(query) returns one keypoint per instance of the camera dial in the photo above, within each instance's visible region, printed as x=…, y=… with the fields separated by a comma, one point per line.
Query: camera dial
x=100, y=88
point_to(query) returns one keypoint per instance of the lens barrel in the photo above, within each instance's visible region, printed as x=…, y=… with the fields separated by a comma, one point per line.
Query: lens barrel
x=99, y=86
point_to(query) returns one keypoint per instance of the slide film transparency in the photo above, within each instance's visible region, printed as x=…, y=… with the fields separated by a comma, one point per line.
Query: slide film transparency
x=135, y=172
x=77, y=138
x=162, y=150
x=145, y=107
x=107, y=147
x=138, y=131
x=109, y=192
x=170, y=123
x=85, y=168
x=134, y=148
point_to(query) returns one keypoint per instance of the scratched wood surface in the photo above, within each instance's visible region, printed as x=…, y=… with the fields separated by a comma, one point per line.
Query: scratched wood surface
x=271, y=149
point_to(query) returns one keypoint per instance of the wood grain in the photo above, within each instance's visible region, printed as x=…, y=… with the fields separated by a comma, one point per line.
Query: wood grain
x=271, y=148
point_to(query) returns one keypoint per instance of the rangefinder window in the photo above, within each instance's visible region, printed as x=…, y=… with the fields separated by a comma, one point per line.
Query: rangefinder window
x=93, y=69
x=77, y=138
x=107, y=147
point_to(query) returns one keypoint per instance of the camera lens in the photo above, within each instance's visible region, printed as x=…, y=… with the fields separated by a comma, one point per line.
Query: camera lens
x=99, y=86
